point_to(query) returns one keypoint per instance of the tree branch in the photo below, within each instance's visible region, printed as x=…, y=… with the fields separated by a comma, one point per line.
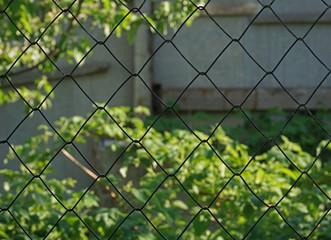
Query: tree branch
x=54, y=51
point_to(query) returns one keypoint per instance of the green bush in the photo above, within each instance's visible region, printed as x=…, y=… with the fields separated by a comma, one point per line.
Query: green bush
x=185, y=183
x=300, y=127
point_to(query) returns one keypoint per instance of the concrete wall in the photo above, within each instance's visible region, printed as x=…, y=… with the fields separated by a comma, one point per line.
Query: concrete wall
x=234, y=72
x=99, y=77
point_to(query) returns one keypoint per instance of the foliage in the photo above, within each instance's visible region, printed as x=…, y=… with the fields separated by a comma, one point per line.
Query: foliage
x=301, y=127
x=188, y=183
x=201, y=182
x=35, y=34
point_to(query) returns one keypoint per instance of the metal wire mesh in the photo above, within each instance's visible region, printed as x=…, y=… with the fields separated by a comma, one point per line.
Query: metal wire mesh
x=166, y=108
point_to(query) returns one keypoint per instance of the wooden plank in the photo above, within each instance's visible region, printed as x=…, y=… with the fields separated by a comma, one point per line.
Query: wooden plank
x=208, y=99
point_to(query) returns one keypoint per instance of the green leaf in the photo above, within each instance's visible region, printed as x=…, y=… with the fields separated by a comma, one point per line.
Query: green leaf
x=123, y=171
x=200, y=225
x=139, y=195
x=180, y=204
x=291, y=173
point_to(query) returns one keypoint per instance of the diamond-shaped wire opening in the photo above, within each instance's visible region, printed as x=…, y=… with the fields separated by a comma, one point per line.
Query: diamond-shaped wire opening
x=182, y=72
x=234, y=200
x=188, y=99
x=322, y=229
x=98, y=126
x=173, y=22
x=44, y=16
x=38, y=147
x=247, y=133
x=178, y=142
x=136, y=226
x=307, y=130
x=36, y=202
x=319, y=170
x=234, y=57
x=218, y=70
x=63, y=227
x=37, y=126
x=170, y=208
x=119, y=57
x=14, y=178
x=10, y=226
x=77, y=128
x=263, y=37
x=303, y=206
x=312, y=12
x=37, y=91
x=134, y=174
x=14, y=55
x=87, y=208
x=269, y=174
x=308, y=68
x=6, y=113
x=106, y=18
x=317, y=41
x=317, y=98
x=81, y=176
x=103, y=221
x=271, y=225
x=73, y=48
x=76, y=102
x=11, y=55
x=205, y=225
x=262, y=95
x=204, y=174
x=202, y=27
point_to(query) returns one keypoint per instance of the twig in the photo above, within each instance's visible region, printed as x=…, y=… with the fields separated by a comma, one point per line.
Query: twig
x=77, y=163
x=86, y=170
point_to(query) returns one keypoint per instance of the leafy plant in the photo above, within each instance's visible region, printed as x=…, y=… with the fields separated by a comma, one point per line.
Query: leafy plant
x=301, y=128
x=35, y=34
x=182, y=183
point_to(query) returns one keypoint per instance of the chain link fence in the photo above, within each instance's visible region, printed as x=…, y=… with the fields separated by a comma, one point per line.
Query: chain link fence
x=212, y=217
